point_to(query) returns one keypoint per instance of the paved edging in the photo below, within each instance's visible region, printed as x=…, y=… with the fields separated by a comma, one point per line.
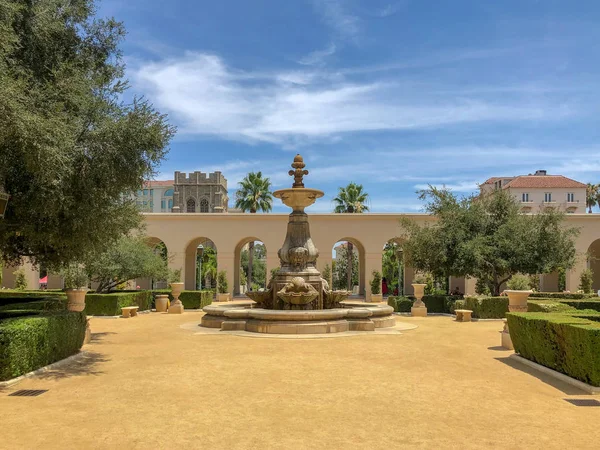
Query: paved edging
x=55, y=365
x=593, y=390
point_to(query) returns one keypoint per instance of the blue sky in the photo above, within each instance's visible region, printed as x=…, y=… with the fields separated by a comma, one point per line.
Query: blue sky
x=391, y=94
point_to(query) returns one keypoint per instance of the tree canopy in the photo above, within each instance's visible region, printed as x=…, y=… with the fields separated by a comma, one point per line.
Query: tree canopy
x=71, y=146
x=487, y=237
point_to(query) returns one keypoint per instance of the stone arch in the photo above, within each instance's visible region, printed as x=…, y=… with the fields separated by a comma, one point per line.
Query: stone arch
x=190, y=205
x=197, y=249
x=359, y=249
x=239, y=248
x=204, y=206
x=160, y=247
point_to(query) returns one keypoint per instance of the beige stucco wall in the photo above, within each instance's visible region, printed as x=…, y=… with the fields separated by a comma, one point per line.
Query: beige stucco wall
x=559, y=199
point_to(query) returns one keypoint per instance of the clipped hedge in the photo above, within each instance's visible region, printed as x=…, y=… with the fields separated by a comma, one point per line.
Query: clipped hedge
x=566, y=343
x=44, y=304
x=110, y=304
x=190, y=299
x=400, y=304
x=9, y=296
x=562, y=296
x=547, y=306
x=582, y=304
x=28, y=343
x=485, y=307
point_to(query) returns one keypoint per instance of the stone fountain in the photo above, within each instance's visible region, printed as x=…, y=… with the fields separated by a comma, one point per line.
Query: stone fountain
x=298, y=300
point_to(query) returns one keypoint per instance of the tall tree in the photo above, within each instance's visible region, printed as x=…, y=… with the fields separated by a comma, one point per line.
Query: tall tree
x=351, y=200
x=70, y=146
x=488, y=238
x=592, y=196
x=253, y=195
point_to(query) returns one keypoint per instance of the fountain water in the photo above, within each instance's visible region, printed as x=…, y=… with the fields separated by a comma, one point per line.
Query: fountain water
x=298, y=300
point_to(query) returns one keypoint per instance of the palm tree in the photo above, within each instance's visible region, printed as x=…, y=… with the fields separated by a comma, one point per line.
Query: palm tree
x=351, y=200
x=592, y=196
x=253, y=195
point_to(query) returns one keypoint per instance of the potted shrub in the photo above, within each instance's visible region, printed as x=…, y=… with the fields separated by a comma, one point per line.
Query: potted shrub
x=176, y=306
x=376, y=295
x=518, y=292
x=419, y=284
x=75, y=283
x=222, y=287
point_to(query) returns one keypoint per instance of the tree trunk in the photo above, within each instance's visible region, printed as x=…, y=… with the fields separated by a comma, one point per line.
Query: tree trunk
x=350, y=255
x=250, y=264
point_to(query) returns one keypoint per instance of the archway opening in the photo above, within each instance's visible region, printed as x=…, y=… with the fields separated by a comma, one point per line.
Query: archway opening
x=392, y=268
x=594, y=264
x=251, y=266
x=201, y=265
x=348, y=266
x=159, y=248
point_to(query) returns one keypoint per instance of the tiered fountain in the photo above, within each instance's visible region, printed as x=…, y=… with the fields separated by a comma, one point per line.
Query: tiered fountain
x=298, y=300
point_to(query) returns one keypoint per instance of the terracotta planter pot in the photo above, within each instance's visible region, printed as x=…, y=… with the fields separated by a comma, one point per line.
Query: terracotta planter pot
x=76, y=299
x=517, y=300
x=376, y=298
x=223, y=297
x=162, y=302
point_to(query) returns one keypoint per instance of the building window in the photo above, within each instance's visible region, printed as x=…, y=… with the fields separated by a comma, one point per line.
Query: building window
x=571, y=197
x=203, y=205
x=525, y=197
x=191, y=205
x=145, y=191
x=169, y=193
x=170, y=204
x=548, y=197
x=151, y=192
x=139, y=193
x=145, y=203
x=151, y=204
x=163, y=204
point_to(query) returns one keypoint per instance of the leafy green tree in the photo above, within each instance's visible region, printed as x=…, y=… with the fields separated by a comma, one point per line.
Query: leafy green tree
x=70, y=145
x=223, y=286
x=340, y=269
x=487, y=237
x=259, y=266
x=20, y=280
x=393, y=266
x=126, y=259
x=592, y=196
x=351, y=199
x=587, y=281
x=327, y=274
x=209, y=266
x=253, y=195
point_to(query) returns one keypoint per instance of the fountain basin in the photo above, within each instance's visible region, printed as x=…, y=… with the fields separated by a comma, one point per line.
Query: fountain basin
x=298, y=198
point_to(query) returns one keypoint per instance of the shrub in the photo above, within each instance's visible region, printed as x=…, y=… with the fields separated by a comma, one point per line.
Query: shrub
x=487, y=307
x=400, y=304
x=12, y=296
x=190, y=299
x=582, y=304
x=376, y=282
x=482, y=287
x=20, y=280
x=519, y=282
x=436, y=303
x=222, y=282
x=28, y=343
x=111, y=304
x=547, y=306
x=74, y=276
x=34, y=304
x=562, y=342
x=586, y=281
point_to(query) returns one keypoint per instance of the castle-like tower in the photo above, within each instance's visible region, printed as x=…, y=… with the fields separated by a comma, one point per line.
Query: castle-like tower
x=200, y=193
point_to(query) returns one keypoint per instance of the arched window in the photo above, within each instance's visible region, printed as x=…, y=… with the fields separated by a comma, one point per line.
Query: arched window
x=203, y=205
x=168, y=193
x=191, y=205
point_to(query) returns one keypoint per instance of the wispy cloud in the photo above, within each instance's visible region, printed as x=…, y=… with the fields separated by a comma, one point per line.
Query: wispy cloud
x=388, y=10
x=209, y=98
x=318, y=57
x=336, y=15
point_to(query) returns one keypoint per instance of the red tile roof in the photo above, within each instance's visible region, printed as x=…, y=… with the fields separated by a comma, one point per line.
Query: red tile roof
x=494, y=179
x=544, y=182
x=155, y=183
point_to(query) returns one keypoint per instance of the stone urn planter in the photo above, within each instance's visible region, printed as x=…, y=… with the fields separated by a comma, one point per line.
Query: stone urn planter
x=76, y=299
x=162, y=302
x=517, y=300
x=419, y=309
x=376, y=298
x=176, y=305
x=223, y=297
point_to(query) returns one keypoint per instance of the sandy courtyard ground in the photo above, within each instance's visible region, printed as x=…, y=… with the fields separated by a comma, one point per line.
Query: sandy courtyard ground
x=147, y=383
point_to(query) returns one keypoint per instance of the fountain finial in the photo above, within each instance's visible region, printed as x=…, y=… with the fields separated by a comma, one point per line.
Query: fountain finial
x=298, y=172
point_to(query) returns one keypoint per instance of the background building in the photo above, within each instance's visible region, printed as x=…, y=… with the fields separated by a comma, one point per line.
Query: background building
x=541, y=190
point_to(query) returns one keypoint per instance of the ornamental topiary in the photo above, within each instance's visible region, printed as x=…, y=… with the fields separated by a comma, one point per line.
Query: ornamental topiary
x=222, y=285
x=519, y=282
x=586, y=281
x=376, y=283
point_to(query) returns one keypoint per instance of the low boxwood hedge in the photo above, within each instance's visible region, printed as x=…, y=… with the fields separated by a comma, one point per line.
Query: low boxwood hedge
x=485, y=307
x=110, y=304
x=9, y=296
x=582, y=304
x=43, y=304
x=400, y=304
x=562, y=295
x=547, y=306
x=34, y=341
x=567, y=343
x=190, y=299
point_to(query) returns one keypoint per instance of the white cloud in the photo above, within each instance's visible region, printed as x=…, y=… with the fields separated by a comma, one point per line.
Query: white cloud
x=206, y=97
x=336, y=16
x=318, y=57
x=388, y=10
x=464, y=186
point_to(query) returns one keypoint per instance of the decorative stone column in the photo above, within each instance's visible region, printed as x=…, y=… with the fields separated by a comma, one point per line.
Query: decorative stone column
x=176, y=305
x=419, y=309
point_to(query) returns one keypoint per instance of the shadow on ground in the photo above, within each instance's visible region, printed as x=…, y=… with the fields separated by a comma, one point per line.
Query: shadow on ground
x=98, y=337
x=557, y=384
x=87, y=363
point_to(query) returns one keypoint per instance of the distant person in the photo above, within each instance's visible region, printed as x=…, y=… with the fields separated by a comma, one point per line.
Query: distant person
x=384, y=287
x=396, y=291
x=456, y=291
